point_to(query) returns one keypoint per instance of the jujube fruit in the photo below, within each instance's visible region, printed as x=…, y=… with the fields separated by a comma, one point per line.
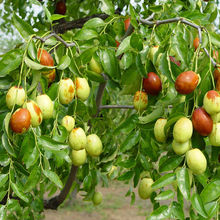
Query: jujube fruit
x=152, y=51
x=82, y=88
x=78, y=157
x=117, y=43
x=202, y=122
x=186, y=82
x=66, y=91
x=94, y=145
x=61, y=8
x=20, y=120
x=51, y=75
x=97, y=198
x=216, y=74
x=144, y=188
x=182, y=130
x=159, y=130
x=45, y=58
x=127, y=23
x=95, y=66
x=77, y=139
x=15, y=95
x=152, y=84
x=181, y=148
x=196, y=43
x=214, y=137
x=68, y=122
x=140, y=101
x=211, y=102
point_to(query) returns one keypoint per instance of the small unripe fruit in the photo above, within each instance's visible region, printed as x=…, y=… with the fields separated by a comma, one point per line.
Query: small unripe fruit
x=77, y=139
x=61, y=8
x=214, y=137
x=196, y=161
x=127, y=23
x=82, y=88
x=113, y=168
x=14, y=96
x=196, y=43
x=140, y=101
x=66, y=91
x=51, y=75
x=20, y=120
x=181, y=148
x=97, y=198
x=95, y=66
x=211, y=102
x=94, y=145
x=144, y=188
x=182, y=130
x=159, y=130
x=152, y=84
x=36, y=114
x=202, y=122
x=45, y=58
x=186, y=82
x=153, y=50
x=68, y=122
x=46, y=106
x=78, y=157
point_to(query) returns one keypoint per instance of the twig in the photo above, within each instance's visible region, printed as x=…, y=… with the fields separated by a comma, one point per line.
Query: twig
x=116, y=106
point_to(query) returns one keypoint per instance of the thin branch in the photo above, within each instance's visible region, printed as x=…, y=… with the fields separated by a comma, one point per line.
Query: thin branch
x=116, y=107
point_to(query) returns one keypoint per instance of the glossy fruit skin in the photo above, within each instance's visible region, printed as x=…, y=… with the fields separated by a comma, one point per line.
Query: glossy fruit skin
x=68, y=122
x=159, y=130
x=94, y=145
x=20, y=120
x=140, y=101
x=182, y=130
x=78, y=157
x=214, y=137
x=196, y=43
x=152, y=84
x=196, y=161
x=66, y=91
x=51, y=75
x=97, y=198
x=95, y=66
x=77, y=139
x=82, y=88
x=45, y=58
x=144, y=188
x=202, y=122
x=211, y=102
x=181, y=148
x=153, y=50
x=61, y=8
x=14, y=96
x=36, y=114
x=46, y=106
x=127, y=23
x=186, y=82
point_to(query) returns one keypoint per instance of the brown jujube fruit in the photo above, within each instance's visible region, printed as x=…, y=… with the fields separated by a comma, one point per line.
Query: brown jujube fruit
x=20, y=120
x=45, y=58
x=152, y=84
x=196, y=43
x=216, y=74
x=202, y=122
x=61, y=8
x=186, y=82
x=127, y=23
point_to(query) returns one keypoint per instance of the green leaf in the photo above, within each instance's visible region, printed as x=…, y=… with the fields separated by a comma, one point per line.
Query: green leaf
x=87, y=54
x=163, y=212
x=171, y=163
x=131, y=140
x=164, y=180
x=140, y=66
x=2, y=195
x=36, y=66
x=7, y=145
x=33, y=179
x=19, y=192
x=171, y=122
x=94, y=23
x=136, y=42
x=126, y=176
x=47, y=12
x=177, y=211
x=12, y=205
x=183, y=182
x=36, y=76
x=155, y=114
x=3, y=179
x=129, y=163
x=211, y=191
x=127, y=60
x=144, y=162
x=23, y=27
x=10, y=62
x=86, y=34
x=53, y=177
x=169, y=194
x=53, y=90
x=4, y=159
x=107, y=7
x=211, y=208
x=3, y=211
x=55, y=17
x=198, y=205
x=32, y=51
x=124, y=46
x=64, y=62
x=93, y=76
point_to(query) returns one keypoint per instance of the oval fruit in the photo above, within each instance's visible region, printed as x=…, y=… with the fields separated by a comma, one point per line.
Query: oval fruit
x=211, y=102
x=14, y=96
x=77, y=139
x=95, y=66
x=127, y=23
x=152, y=84
x=20, y=120
x=181, y=148
x=159, y=130
x=46, y=106
x=82, y=88
x=196, y=43
x=61, y=8
x=110, y=173
x=202, y=122
x=182, y=130
x=66, y=91
x=94, y=145
x=68, y=122
x=214, y=137
x=186, y=82
x=117, y=43
x=140, y=101
x=144, y=188
x=196, y=161
x=51, y=76
x=97, y=198
x=153, y=50
x=36, y=114
x=45, y=58
x=78, y=157
x=216, y=74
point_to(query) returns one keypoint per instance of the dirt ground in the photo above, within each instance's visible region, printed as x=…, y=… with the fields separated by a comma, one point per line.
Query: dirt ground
x=115, y=206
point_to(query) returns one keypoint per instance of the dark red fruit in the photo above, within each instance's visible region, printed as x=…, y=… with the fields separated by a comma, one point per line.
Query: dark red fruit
x=196, y=43
x=202, y=122
x=173, y=59
x=127, y=23
x=61, y=8
x=152, y=84
x=20, y=120
x=186, y=82
x=45, y=58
